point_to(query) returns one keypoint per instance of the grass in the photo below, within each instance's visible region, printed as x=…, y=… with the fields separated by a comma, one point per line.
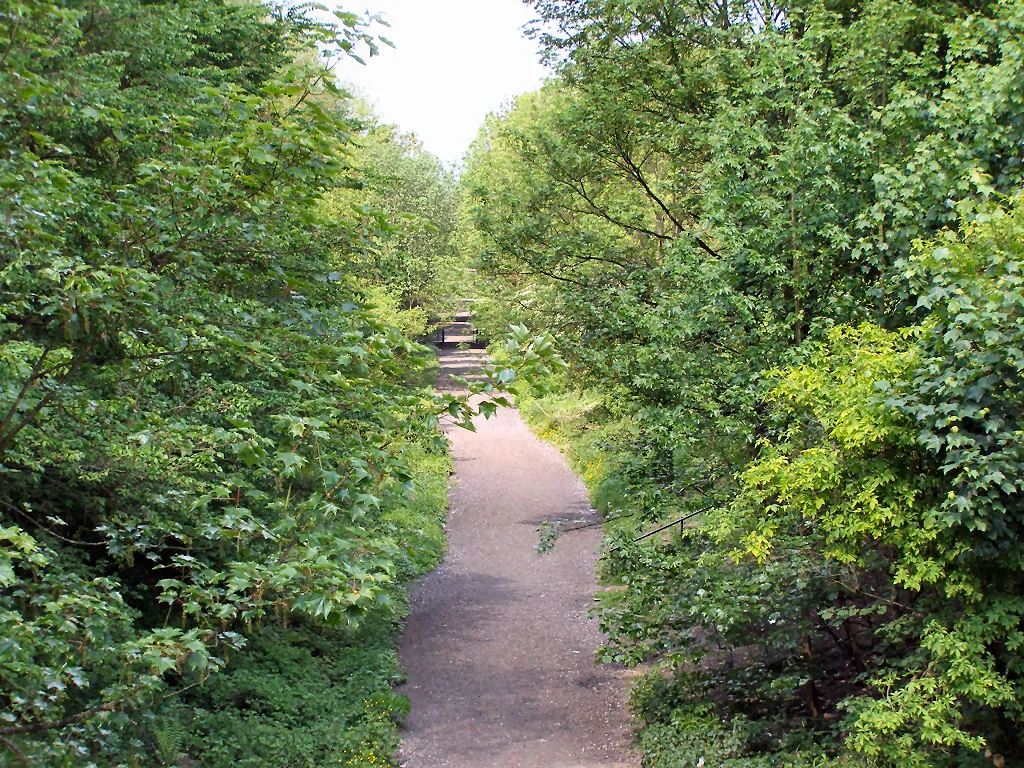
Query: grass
x=585, y=428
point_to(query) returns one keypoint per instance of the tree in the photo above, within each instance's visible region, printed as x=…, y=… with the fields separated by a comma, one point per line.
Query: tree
x=197, y=419
x=716, y=206
x=416, y=266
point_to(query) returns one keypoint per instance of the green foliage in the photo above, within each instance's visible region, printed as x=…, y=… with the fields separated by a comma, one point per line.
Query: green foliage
x=303, y=696
x=836, y=561
x=964, y=398
x=415, y=273
x=764, y=239
x=312, y=695
x=845, y=472
x=415, y=519
x=689, y=732
x=203, y=428
x=411, y=322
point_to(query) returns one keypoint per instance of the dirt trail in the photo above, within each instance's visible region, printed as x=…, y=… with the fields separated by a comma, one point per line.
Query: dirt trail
x=498, y=648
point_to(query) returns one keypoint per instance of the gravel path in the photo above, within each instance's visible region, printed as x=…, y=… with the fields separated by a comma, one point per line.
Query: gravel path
x=498, y=647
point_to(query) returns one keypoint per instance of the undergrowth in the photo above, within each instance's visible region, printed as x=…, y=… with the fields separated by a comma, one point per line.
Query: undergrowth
x=681, y=729
x=681, y=719
x=309, y=695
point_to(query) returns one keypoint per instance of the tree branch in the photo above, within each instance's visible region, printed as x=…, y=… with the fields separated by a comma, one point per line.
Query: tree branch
x=639, y=178
x=48, y=725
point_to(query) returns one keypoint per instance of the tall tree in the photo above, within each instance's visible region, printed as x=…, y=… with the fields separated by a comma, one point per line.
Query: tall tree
x=710, y=191
x=197, y=419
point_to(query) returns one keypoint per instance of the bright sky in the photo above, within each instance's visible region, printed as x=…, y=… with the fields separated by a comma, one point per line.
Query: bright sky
x=454, y=61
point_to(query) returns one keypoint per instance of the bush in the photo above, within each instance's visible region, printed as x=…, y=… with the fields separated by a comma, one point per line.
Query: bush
x=313, y=696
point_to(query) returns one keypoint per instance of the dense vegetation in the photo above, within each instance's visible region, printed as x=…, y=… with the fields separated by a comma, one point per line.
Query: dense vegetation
x=780, y=248
x=220, y=459
x=415, y=272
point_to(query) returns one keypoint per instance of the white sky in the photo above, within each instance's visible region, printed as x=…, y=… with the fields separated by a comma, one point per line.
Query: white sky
x=454, y=61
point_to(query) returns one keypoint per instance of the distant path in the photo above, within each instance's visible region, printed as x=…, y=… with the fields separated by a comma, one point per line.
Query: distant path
x=498, y=649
